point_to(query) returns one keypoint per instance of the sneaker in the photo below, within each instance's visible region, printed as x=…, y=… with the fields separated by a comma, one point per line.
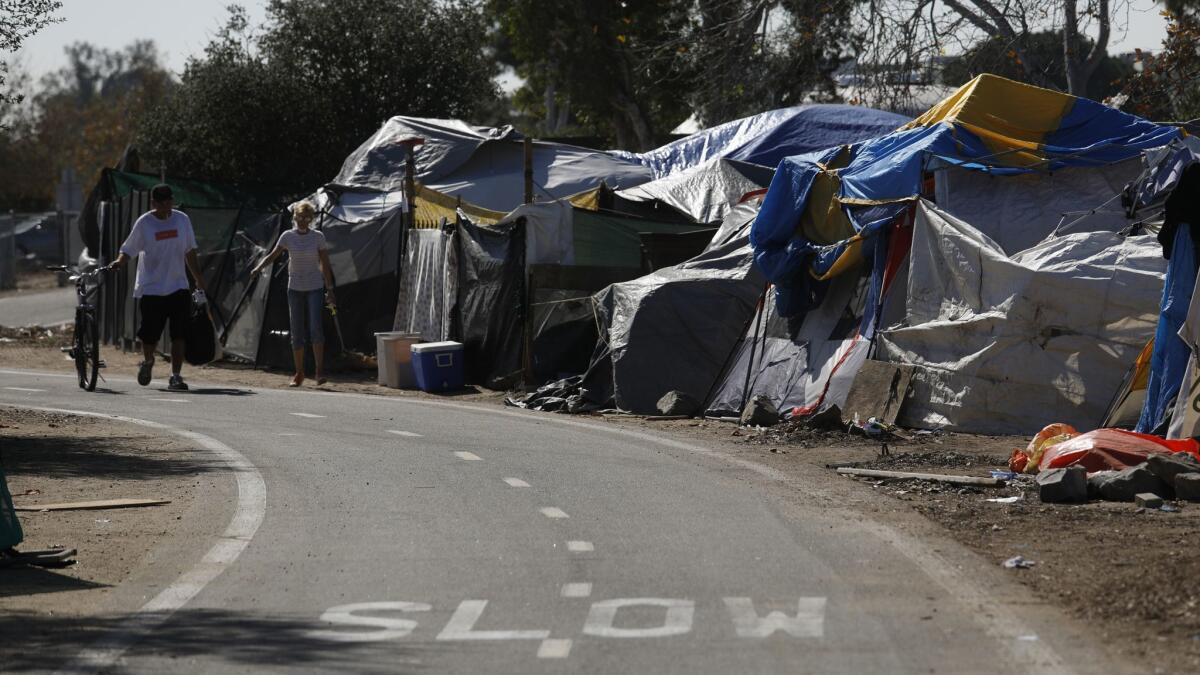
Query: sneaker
x=144, y=372
x=176, y=383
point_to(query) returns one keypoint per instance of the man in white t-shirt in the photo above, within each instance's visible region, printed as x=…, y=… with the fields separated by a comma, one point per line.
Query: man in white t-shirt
x=165, y=245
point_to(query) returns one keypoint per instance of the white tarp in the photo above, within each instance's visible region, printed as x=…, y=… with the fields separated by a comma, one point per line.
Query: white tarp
x=1020, y=211
x=549, y=232
x=1009, y=343
x=704, y=193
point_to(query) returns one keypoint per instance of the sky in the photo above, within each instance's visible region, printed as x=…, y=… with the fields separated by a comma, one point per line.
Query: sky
x=181, y=28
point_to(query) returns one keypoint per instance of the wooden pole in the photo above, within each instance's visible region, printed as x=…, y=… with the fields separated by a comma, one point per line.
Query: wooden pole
x=528, y=170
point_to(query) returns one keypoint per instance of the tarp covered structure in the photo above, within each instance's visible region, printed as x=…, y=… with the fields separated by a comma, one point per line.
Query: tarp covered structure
x=767, y=138
x=482, y=165
x=836, y=227
x=674, y=329
x=703, y=193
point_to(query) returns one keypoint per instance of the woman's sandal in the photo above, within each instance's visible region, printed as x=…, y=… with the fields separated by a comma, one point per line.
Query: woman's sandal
x=296, y=381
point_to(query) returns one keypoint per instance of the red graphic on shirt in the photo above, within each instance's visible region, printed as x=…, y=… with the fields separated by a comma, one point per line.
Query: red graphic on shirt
x=166, y=234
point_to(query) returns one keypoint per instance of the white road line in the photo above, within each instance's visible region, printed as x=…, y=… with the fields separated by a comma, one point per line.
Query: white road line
x=305, y=415
x=172, y=400
x=247, y=516
x=468, y=456
x=516, y=482
x=403, y=433
x=580, y=589
x=287, y=433
x=580, y=546
x=553, y=512
x=554, y=649
x=23, y=389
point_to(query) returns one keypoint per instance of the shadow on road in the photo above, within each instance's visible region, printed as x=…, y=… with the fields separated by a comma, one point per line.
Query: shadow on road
x=217, y=391
x=237, y=639
x=105, y=457
x=15, y=581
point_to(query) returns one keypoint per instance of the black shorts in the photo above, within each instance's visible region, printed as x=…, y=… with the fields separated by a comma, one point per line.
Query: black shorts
x=157, y=310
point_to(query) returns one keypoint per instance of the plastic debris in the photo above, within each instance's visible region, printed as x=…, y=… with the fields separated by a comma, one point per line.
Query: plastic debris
x=1018, y=563
x=1006, y=500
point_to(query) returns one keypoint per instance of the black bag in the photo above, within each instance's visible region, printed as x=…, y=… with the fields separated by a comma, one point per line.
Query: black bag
x=200, y=342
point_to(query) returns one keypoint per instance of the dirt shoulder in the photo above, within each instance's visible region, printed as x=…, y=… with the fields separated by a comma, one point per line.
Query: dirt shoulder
x=123, y=554
x=29, y=283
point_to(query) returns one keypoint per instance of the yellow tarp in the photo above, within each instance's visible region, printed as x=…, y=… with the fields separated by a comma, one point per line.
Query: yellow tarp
x=431, y=207
x=1011, y=118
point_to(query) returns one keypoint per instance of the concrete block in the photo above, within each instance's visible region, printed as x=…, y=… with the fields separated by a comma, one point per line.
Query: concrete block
x=1124, y=485
x=1187, y=486
x=678, y=403
x=1167, y=466
x=1148, y=500
x=1063, y=486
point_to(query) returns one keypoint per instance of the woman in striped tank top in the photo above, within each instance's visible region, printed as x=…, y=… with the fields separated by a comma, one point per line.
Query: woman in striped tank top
x=310, y=280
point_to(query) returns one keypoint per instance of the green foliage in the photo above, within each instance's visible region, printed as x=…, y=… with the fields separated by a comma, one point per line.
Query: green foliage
x=996, y=56
x=20, y=19
x=286, y=104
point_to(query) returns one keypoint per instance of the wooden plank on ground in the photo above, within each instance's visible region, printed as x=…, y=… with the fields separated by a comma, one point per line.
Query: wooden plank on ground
x=957, y=480
x=94, y=505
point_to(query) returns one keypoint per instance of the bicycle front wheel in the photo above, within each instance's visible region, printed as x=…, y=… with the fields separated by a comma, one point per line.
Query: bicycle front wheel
x=87, y=348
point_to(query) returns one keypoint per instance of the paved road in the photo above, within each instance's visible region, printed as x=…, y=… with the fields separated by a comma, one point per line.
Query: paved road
x=44, y=308
x=497, y=541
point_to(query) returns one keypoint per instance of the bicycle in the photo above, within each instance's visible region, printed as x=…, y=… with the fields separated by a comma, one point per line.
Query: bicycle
x=85, y=350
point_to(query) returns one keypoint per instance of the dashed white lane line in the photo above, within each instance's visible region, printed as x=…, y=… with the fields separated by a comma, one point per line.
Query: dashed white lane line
x=287, y=433
x=172, y=400
x=580, y=589
x=403, y=433
x=580, y=546
x=553, y=512
x=554, y=649
x=24, y=389
x=516, y=482
x=468, y=456
x=305, y=415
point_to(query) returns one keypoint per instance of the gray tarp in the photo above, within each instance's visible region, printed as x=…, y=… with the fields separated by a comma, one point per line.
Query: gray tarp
x=483, y=165
x=673, y=329
x=428, y=285
x=704, y=193
x=1009, y=343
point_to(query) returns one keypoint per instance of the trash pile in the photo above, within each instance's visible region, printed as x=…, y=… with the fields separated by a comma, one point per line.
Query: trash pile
x=1112, y=465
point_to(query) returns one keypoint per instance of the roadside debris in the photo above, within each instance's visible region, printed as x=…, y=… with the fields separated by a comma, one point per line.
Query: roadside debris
x=93, y=505
x=1148, y=500
x=957, y=480
x=878, y=391
x=759, y=412
x=1018, y=563
x=678, y=403
x=1063, y=486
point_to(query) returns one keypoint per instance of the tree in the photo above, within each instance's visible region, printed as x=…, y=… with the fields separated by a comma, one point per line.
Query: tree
x=1168, y=85
x=20, y=19
x=904, y=36
x=285, y=103
x=995, y=56
x=81, y=117
x=601, y=60
x=633, y=69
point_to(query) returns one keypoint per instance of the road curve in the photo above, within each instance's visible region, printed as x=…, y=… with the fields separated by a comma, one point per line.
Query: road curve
x=405, y=535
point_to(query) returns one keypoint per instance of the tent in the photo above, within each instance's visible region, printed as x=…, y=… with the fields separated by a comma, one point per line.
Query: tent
x=673, y=329
x=1019, y=179
x=702, y=193
x=767, y=138
x=482, y=165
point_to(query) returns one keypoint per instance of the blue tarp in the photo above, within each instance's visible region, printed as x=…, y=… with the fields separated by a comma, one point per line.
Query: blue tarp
x=1169, y=360
x=885, y=171
x=768, y=137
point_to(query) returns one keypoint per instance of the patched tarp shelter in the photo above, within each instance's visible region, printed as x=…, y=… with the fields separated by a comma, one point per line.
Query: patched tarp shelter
x=1020, y=179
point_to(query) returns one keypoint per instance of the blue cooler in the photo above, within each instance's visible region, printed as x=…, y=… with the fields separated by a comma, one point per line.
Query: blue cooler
x=438, y=366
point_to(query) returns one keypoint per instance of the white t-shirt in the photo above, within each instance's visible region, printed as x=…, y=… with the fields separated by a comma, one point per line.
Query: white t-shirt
x=304, y=268
x=160, y=247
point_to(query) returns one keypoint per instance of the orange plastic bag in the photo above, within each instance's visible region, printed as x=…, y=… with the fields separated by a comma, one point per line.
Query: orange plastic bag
x=1051, y=434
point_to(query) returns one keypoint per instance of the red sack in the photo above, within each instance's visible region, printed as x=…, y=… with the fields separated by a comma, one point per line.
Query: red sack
x=1115, y=449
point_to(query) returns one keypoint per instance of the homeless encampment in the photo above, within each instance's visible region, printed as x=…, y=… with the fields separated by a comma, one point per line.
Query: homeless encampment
x=1027, y=291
